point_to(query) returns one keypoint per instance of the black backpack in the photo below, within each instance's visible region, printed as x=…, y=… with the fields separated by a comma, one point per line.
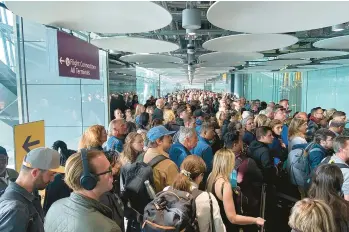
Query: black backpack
x=171, y=211
x=132, y=188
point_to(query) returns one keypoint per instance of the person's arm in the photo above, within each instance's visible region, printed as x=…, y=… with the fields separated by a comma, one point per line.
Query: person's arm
x=230, y=211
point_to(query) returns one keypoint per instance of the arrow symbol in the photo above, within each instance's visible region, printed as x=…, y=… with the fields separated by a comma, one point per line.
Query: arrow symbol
x=28, y=144
x=61, y=60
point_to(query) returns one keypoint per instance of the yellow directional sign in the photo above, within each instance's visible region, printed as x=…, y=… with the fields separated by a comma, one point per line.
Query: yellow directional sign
x=27, y=137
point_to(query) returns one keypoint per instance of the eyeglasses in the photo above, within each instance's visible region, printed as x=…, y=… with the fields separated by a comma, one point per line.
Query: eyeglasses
x=106, y=172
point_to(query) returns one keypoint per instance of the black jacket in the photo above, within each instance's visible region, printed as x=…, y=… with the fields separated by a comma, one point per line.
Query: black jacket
x=260, y=153
x=56, y=190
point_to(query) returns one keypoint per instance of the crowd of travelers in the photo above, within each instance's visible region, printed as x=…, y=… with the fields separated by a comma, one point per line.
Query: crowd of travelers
x=192, y=160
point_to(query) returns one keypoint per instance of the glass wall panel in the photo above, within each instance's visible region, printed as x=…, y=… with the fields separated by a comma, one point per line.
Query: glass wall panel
x=9, y=115
x=67, y=105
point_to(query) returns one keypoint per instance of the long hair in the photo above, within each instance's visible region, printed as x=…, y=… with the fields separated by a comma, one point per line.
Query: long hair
x=219, y=120
x=129, y=155
x=310, y=215
x=293, y=129
x=327, y=182
x=223, y=164
x=192, y=167
x=92, y=137
x=139, y=109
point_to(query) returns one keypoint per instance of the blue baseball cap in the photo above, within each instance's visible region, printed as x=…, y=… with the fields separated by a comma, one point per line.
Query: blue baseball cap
x=3, y=151
x=157, y=132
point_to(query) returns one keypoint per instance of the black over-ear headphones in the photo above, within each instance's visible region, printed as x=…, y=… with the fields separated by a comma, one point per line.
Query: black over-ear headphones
x=87, y=180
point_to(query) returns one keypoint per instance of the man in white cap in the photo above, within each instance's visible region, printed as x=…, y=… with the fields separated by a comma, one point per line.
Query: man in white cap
x=20, y=210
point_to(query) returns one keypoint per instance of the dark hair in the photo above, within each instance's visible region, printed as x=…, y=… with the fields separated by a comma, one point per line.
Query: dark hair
x=327, y=181
x=322, y=134
x=262, y=131
x=231, y=138
x=130, y=127
x=143, y=120
x=313, y=111
x=181, y=109
x=64, y=151
x=156, y=122
x=264, y=105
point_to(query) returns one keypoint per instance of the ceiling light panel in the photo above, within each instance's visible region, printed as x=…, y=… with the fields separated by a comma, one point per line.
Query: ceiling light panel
x=150, y=59
x=312, y=54
x=134, y=44
x=277, y=16
x=250, y=42
x=229, y=57
x=95, y=16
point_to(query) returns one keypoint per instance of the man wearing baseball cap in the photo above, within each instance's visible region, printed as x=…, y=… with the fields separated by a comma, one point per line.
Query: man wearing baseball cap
x=159, y=142
x=20, y=209
x=6, y=174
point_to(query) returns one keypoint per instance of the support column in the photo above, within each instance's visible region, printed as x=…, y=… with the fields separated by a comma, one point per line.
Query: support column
x=238, y=85
x=230, y=83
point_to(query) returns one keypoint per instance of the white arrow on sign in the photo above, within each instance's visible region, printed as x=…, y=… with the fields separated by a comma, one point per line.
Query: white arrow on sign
x=61, y=60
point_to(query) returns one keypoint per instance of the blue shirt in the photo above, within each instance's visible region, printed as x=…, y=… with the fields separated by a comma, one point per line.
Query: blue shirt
x=178, y=153
x=284, y=134
x=204, y=150
x=316, y=154
x=115, y=144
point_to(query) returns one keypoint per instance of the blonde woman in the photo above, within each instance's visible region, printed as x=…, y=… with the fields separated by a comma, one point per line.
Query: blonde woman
x=133, y=146
x=261, y=120
x=139, y=109
x=93, y=138
x=191, y=175
x=310, y=215
x=170, y=121
x=296, y=132
x=218, y=183
x=221, y=116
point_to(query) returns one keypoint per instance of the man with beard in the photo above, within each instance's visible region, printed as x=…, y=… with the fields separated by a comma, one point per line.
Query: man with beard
x=20, y=210
x=6, y=174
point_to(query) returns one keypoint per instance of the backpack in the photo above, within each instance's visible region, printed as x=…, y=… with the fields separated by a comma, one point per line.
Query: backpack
x=133, y=191
x=171, y=211
x=298, y=165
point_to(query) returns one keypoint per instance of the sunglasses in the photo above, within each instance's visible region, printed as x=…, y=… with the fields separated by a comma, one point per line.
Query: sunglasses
x=106, y=172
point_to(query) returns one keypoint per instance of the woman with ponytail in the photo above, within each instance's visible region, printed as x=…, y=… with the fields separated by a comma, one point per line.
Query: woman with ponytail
x=207, y=208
